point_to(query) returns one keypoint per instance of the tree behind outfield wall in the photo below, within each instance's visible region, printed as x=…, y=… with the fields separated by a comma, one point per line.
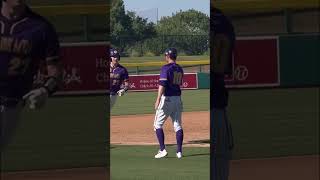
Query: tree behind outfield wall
x=120, y=22
x=188, y=31
x=127, y=24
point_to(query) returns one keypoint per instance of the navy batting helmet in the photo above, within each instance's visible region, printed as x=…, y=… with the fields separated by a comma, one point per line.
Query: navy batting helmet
x=171, y=52
x=114, y=53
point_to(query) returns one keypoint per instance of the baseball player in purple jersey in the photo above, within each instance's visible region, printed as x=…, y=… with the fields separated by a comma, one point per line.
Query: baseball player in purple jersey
x=119, y=77
x=27, y=42
x=168, y=102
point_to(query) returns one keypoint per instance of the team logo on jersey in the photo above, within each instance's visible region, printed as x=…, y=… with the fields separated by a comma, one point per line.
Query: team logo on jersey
x=114, y=76
x=14, y=45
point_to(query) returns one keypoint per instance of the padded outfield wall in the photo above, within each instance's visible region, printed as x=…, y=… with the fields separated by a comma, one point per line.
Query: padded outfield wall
x=274, y=61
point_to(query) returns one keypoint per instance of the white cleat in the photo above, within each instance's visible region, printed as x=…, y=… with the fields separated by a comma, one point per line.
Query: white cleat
x=179, y=155
x=161, y=154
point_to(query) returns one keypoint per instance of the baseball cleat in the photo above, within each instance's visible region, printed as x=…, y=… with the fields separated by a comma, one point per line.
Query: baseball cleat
x=161, y=154
x=179, y=155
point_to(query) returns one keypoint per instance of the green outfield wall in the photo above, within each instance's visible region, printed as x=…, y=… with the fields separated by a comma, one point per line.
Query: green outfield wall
x=300, y=60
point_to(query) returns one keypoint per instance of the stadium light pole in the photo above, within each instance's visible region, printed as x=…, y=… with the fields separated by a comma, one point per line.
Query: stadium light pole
x=157, y=16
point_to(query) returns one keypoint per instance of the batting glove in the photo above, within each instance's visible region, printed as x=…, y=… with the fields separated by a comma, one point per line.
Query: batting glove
x=121, y=92
x=36, y=98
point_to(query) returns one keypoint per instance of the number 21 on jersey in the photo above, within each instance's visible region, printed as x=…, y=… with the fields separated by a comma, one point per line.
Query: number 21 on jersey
x=18, y=65
x=177, y=78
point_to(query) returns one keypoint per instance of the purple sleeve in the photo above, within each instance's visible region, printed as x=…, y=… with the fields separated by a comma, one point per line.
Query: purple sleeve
x=51, y=44
x=163, y=76
x=182, y=76
x=125, y=75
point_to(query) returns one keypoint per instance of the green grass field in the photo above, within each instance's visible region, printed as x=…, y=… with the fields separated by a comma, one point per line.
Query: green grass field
x=71, y=131
x=143, y=102
x=138, y=163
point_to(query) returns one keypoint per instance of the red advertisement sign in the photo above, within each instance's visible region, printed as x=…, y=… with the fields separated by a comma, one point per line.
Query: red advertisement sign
x=85, y=68
x=150, y=82
x=255, y=63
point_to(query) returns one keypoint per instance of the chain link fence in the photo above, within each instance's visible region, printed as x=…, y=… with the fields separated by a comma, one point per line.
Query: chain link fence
x=186, y=45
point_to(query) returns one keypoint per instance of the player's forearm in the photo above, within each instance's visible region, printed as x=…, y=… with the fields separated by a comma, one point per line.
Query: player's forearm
x=54, y=81
x=126, y=85
x=160, y=91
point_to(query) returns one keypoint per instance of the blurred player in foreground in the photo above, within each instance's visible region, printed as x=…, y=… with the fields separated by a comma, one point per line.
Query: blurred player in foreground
x=27, y=42
x=222, y=41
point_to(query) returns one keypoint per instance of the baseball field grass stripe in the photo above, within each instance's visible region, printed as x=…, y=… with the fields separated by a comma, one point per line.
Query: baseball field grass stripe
x=138, y=163
x=142, y=102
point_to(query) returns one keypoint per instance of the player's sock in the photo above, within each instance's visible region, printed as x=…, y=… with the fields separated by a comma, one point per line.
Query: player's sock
x=179, y=137
x=160, y=136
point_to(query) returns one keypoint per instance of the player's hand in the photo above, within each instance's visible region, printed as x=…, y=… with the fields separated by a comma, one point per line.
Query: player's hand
x=156, y=104
x=36, y=98
x=121, y=92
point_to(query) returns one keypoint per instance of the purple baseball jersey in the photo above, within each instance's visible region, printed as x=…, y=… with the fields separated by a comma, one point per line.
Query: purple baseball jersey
x=118, y=75
x=25, y=44
x=171, y=76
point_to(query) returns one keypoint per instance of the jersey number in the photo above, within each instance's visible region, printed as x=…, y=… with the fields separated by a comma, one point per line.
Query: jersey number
x=18, y=66
x=177, y=78
x=115, y=82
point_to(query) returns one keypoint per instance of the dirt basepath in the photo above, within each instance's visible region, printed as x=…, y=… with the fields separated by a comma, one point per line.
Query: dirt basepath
x=285, y=168
x=138, y=129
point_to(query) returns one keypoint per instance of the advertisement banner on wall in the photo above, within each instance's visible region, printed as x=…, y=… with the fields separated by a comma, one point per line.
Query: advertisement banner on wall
x=85, y=68
x=149, y=82
x=255, y=63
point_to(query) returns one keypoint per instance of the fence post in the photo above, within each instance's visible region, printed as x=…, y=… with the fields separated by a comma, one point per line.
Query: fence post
x=288, y=20
x=137, y=70
x=162, y=42
x=85, y=27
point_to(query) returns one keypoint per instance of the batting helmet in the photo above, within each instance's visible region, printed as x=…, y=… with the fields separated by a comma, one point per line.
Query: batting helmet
x=171, y=52
x=114, y=53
